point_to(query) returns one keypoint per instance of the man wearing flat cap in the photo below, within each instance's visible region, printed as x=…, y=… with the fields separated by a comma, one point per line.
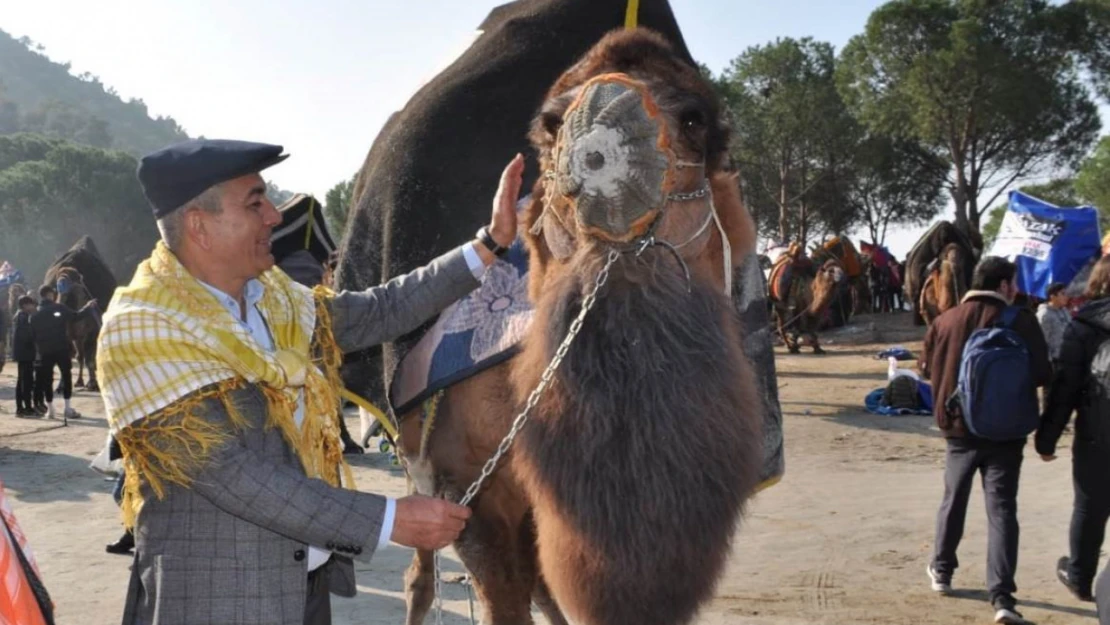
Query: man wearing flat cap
x=220, y=377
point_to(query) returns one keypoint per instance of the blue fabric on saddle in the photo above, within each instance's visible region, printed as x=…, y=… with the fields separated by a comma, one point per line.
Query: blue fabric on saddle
x=479, y=331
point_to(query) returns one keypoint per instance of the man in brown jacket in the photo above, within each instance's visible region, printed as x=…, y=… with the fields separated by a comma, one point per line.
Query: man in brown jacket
x=999, y=463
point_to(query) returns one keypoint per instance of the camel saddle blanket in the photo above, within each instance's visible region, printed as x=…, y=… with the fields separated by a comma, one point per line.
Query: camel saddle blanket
x=479, y=331
x=782, y=282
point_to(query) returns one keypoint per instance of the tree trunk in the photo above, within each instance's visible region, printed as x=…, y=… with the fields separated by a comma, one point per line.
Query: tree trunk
x=783, y=233
x=803, y=224
x=959, y=196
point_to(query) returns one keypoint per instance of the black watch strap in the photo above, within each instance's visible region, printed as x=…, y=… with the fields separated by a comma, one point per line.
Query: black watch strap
x=487, y=240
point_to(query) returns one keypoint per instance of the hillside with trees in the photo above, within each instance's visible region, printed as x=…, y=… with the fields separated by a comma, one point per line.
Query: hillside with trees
x=40, y=96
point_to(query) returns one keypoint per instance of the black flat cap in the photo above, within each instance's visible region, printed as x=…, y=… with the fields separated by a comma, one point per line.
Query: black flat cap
x=176, y=174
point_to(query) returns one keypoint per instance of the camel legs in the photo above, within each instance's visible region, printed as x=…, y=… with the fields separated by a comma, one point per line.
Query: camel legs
x=546, y=603
x=499, y=549
x=81, y=362
x=419, y=587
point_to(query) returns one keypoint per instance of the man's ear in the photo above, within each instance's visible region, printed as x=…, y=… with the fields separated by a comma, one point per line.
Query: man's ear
x=196, y=228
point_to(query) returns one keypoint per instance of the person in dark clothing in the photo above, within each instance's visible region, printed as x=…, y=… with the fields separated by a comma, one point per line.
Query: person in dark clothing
x=51, y=328
x=999, y=463
x=1082, y=383
x=303, y=267
x=23, y=353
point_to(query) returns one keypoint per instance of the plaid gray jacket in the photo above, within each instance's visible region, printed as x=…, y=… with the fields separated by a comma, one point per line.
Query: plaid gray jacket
x=232, y=549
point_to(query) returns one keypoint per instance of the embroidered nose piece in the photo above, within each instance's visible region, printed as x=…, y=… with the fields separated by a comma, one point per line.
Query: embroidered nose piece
x=611, y=159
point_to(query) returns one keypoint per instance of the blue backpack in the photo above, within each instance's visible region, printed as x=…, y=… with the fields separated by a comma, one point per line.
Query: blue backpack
x=995, y=392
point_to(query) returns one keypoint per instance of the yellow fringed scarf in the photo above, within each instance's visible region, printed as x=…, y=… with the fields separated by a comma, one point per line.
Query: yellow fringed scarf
x=167, y=345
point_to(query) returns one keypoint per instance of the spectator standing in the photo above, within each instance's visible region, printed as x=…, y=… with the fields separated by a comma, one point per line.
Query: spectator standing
x=999, y=463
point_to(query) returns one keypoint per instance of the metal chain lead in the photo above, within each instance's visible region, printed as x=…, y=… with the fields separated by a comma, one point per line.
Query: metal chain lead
x=545, y=380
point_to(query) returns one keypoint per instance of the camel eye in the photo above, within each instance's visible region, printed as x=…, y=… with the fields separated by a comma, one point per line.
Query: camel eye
x=551, y=122
x=692, y=119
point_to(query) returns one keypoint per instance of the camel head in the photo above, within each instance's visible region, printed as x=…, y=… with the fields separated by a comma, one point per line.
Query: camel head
x=633, y=148
x=953, y=259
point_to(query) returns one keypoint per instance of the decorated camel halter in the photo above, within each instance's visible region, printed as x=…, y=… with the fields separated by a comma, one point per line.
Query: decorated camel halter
x=614, y=151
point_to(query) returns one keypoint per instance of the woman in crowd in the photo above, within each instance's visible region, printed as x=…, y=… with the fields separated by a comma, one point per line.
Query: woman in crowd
x=1082, y=383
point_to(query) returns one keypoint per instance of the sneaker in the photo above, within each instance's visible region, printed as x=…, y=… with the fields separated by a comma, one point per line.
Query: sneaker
x=27, y=414
x=942, y=583
x=70, y=413
x=1005, y=612
x=50, y=411
x=40, y=409
x=1080, y=591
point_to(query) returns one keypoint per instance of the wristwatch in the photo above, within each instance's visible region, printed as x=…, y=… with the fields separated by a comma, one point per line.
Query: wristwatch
x=487, y=240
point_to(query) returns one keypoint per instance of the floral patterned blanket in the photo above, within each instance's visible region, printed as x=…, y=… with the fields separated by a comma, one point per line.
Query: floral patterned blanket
x=477, y=332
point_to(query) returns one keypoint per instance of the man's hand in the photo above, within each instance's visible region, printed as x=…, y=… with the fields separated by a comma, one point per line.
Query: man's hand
x=428, y=523
x=1047, y=458
x=502, y=226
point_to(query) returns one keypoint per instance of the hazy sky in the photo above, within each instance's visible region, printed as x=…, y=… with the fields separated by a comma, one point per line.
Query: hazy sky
x=321, y=76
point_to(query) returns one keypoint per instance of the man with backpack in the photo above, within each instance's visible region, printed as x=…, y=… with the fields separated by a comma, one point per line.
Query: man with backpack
x=985, y=359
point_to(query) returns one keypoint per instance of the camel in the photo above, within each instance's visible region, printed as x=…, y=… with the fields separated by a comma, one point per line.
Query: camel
x=944, y=286
x=800, y=299
x=84, y=331
x=619, y=500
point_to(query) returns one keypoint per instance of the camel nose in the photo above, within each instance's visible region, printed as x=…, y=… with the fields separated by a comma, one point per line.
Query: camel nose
x=610, y=162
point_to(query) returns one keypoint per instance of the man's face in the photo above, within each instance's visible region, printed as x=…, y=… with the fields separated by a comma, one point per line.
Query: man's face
x=1008, y=290
x=1059, y=300
x=27, y=308
x=239, y=236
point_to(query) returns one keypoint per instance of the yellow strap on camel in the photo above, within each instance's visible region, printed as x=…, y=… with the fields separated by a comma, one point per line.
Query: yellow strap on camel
x=387, y=425
x=632, y=14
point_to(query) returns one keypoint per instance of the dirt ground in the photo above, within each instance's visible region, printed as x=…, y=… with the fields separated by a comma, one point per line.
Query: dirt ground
x=844, y=538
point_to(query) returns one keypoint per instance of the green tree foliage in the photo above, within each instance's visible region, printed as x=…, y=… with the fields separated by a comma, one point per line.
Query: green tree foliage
x=52, y=192
x=276, y=194
x=41, y=96
x=892, y=182
x=791, y=126
x=1093, y=181
x=995, y=87
x=337, y=204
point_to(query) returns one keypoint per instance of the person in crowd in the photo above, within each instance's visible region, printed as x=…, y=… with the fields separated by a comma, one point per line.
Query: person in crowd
x=242, y=506
x=23, y=353
x=993, y=290
x=55, y=349
x=1081, y=384
x=1054, y=317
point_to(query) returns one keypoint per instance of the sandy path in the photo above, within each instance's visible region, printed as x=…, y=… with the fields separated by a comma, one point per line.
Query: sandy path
x=843, y=539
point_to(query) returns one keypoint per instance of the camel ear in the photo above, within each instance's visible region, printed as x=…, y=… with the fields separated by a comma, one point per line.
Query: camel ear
x=737, y=222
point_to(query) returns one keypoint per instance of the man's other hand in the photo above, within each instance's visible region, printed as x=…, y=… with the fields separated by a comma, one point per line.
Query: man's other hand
x=428, y=523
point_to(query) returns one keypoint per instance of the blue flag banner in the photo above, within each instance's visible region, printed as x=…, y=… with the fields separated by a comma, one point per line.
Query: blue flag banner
x=1048, y=243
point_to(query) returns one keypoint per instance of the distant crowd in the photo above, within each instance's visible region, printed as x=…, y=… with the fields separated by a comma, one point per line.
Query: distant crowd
x=40, y=343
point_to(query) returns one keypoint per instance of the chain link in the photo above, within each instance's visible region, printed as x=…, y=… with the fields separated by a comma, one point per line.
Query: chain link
x=545, y=380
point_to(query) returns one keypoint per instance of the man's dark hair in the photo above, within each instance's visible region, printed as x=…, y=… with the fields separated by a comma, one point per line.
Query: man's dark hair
x=1054, y=288
x=991, y=272
x=26, y=299
x=46, y=289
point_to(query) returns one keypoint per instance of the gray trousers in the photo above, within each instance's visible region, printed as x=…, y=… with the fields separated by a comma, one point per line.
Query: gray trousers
x=1102, y=597
x=999, y=464
x=317, y=605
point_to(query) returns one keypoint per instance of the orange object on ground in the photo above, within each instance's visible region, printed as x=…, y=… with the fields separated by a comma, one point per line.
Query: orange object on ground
x=20, y=587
